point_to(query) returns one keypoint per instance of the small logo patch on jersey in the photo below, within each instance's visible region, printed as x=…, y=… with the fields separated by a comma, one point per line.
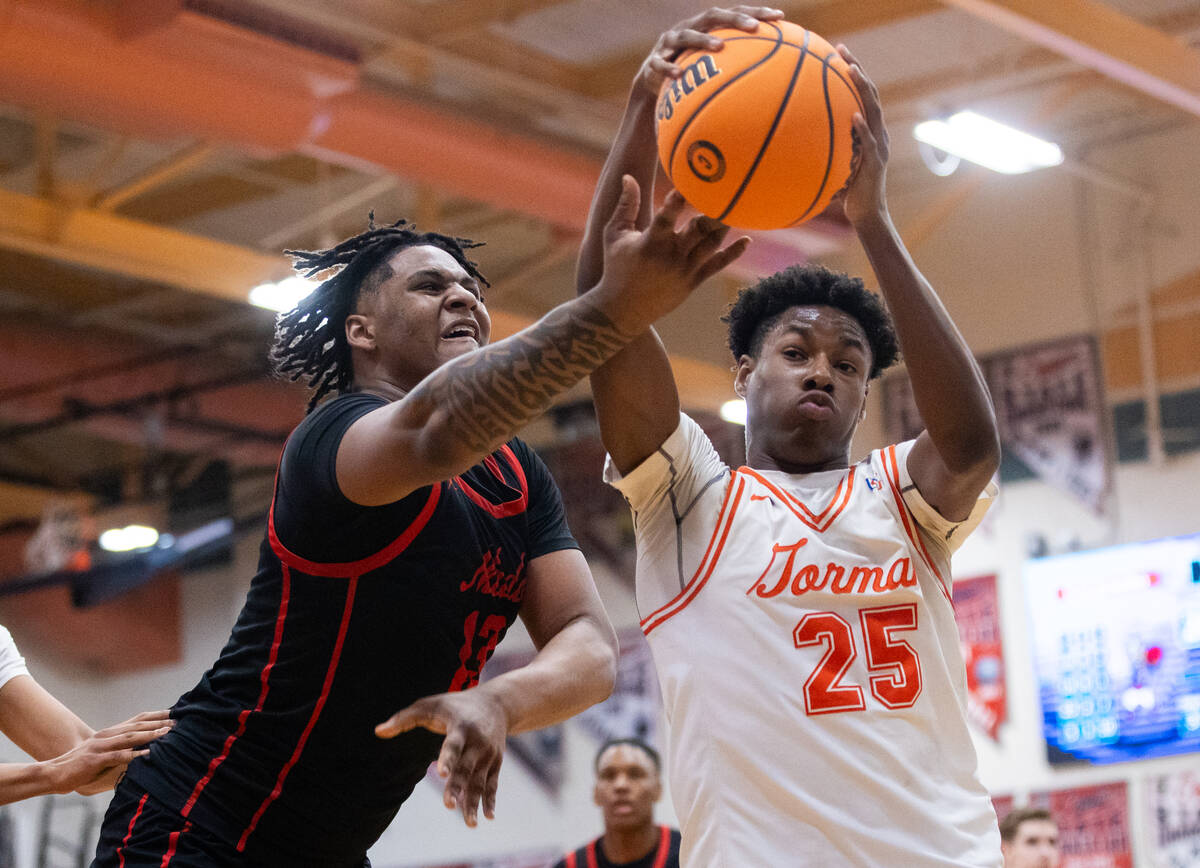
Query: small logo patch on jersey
x=874, y=483
x=762, y=497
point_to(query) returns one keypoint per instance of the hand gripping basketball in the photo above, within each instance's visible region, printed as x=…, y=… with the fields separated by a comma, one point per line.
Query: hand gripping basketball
x=864, y=196
x=754, y=127
x=693, y=34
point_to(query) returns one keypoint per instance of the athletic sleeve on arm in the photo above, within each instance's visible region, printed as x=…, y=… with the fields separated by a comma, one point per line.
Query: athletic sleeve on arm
x=949, y=534
x=548, y=529
x=675, y=496
x=12, y=663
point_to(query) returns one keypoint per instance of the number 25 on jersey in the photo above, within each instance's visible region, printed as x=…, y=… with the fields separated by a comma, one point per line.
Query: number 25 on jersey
x=898, y=682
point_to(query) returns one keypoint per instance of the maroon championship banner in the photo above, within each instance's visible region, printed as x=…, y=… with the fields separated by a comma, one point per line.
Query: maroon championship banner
x=1050, y=408
x=977, y=613
x=1172, y=819
x=1093, y=825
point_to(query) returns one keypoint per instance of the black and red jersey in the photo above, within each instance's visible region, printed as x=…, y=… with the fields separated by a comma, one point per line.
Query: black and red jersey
x=354, y=613
x=665, y=854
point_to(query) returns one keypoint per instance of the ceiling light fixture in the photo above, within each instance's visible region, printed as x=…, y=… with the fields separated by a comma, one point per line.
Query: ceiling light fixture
x=989, y=143
x=734, y=411
x=283, y=295
x=128, y=538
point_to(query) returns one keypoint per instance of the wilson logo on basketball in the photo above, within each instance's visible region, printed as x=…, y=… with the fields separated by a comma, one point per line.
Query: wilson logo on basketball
x=837, y=578
x=693, y=76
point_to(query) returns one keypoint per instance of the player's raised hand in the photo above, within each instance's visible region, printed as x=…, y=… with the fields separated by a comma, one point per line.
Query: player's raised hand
x=693, y=33
x=653, y=270
x=475, y=726
x=865, y=195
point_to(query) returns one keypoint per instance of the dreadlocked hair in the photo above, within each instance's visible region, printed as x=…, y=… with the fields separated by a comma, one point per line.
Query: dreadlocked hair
x=310, y=339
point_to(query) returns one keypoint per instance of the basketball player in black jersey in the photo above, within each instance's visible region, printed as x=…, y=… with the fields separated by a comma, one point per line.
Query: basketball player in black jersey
x=409, y=528
x=628, y=783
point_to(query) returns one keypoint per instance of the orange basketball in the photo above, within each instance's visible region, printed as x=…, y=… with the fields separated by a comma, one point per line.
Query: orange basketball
x=758, y=134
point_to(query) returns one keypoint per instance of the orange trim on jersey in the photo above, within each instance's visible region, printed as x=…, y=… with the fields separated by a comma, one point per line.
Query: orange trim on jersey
x=353, y=569
x=819, y=523
x=711, y=542
x=819, y=517
x=692, y=588
x=508, y=508
x=892, y=472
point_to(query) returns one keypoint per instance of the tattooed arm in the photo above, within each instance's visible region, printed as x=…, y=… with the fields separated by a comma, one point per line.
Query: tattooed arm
x=471, y=405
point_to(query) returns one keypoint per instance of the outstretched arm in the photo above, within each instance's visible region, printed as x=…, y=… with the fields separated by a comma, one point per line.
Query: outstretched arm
x=573, y=669
x=959, y=450
x=637, y=403
x=70, y=755
x=469, y=406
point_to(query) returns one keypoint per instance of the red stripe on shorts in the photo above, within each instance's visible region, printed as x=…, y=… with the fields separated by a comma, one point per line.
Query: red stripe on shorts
x=174, y=842
x=129, y=834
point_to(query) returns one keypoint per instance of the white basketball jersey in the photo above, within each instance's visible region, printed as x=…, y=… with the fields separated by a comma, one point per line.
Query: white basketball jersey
x=805, y=643
x=11, y=661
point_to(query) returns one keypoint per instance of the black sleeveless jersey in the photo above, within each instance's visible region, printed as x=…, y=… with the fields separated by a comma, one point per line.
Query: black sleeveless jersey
x=665, y=854
x=354, y=613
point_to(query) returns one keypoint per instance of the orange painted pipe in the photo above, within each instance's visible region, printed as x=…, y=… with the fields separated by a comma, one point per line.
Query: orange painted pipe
x=195, y=77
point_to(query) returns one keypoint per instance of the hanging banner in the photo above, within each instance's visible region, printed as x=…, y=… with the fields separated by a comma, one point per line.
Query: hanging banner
x=633, y=708
x=977, y=613
x=1172, y=819
x=1049, y=407
x=1093, y=825
x=1002, y=805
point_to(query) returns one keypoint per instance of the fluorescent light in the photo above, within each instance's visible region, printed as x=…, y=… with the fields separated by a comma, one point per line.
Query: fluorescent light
x=989, y=143
x=734, y=411
x=283, y=295
x=128, y=538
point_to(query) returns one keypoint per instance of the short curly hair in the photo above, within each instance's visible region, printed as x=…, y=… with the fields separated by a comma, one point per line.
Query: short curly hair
x=758, y=307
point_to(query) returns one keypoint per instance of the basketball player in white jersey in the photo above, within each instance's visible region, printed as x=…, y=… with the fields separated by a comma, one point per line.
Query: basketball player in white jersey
x=799, y=608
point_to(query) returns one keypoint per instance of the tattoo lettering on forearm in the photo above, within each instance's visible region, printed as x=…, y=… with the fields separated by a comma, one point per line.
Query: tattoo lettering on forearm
x=492, y=393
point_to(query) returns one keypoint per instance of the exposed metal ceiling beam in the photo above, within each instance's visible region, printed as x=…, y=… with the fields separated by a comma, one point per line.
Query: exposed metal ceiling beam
x=134, y=249
x=1101, y=38
x=175, y=165
x=832, y=20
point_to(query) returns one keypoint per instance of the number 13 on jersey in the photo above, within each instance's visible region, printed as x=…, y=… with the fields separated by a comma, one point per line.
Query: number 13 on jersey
x=898, y=682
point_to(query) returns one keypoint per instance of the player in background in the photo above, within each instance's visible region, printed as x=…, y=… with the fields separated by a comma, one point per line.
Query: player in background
x=798, y=609
x=1029, y=839
x=628, y=784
